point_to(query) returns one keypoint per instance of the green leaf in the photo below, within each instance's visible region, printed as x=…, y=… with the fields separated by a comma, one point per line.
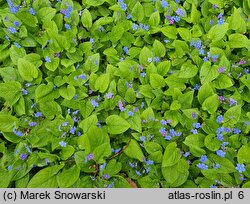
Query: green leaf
x=7, y=122
x=134, y=150
x=135, y=123
x=211, y=104
x=195, y=15
x=116, y=33
x=159, y=49
x=232, y=116
x=44, y=92
x=27, y=70
x=236, y=21
x=243, y=154
x=238, y=41
x=94, y=2
x=88, y=122
x=208, y=73
x=68, y=177
x=195, y=142
x=102, y=82
x=86, y=18
x=144, y=55
x=170, y=32
x=156, y=81
x=46, y=13
x=205, y=91
x=154, y=19
x=10, y=91
x=45, y=178
x=171, y=155
x=211, y=142
x=67, y=92
x=184, y=33
x=188, y=70
x=116, y=124
x=217, y=32
x=163, y=68
x=67, y=152
x=223, y=82
x=130, y=96
x=138, y=12
x=53, y=65
x=103, y=150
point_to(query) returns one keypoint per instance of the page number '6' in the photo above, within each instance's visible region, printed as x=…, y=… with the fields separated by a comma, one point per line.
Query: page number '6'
x=241, y=195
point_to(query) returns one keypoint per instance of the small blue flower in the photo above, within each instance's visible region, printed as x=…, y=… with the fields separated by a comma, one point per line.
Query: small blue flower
x=240, y=168
x=16, y=23
x=201, y=51
x=217, y=166
x=156, y=59
x=106, y=176
x=134, y=26
x=203, y=158
x=32, y=11
x=176, y=18
x=220, y=119
x=67, y=26
x=196, y=87
x=146, y=27
x=168, y=137
x=62, y=144
x=202, y=166
x=220, y=137
x=91, y=40
x=12, y=30
x=142, y=138
x=125, y=49
x=179, y=12
x=198, y=44
x=32, y=124
x=237, y=131
x=17, y=133
x=131, y=113
x=102, y=167
x=24, y=91
x=150, y=59
x=164, y=4
x=12, y=7
x=17, y=45
x=232, y=102
x=23, y=156
x=220, y=153
x=47, y=59
x=197, y=125
x=123, y=6
x=94, y=103
x=38, y=114
x=143, y=74
x=194, y=131
x=90, y=157
x=72, y=130
x=138, y=173
x=220, y=21
x=186, y=154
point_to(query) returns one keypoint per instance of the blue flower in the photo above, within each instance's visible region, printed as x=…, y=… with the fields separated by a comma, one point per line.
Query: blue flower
x=186, y=154
x=90, y=156
x=203, y=158
x=23, y=156
x=17, y=45
x=220, y=153
x=106, y=176
x=220, y=137
x=12, y=7
x=125, y=49
x=67, y=26
x=32, y=124
x=12, y=30
x=149, y=162
x=176, y=18
x=202, y=166
x=32, y=11
x=62, y=144
x=194, y=131
x=237, y=131
x=130, y=113
x=240, y=168
x=198, y=44
x=17, y=133
x=38, y=114
x=150, y=59
x=201, y=51
x=91, y=40
x=220, y=21
x=143, y=138
x=146, y=27
x=179, y=12
x=156, y=59
x=94, y=103
x=134, y=26
x=232, y=102
x=196, y=87
x=24, y=91
x=123, y=6
x=47, y=59
x=102, y=167
x=16, y=23
x=72, y=130
x=220, y=119
x=217, y=166
x=164, y=4
x=197, y=125
x=143, y=74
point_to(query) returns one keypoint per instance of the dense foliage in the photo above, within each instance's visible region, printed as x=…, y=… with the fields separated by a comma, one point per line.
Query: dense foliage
x=127, y=93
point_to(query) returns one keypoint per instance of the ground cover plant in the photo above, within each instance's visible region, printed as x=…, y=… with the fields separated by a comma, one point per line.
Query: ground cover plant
x=124, y=93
